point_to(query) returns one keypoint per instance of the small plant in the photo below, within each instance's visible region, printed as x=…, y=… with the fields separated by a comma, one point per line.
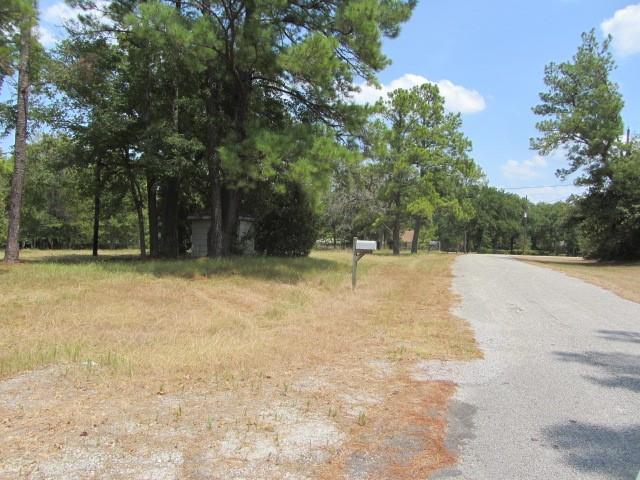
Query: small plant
x=362, y=419
x=333, y=412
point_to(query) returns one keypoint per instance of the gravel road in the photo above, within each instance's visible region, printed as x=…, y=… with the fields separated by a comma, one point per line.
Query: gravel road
x=558, y=393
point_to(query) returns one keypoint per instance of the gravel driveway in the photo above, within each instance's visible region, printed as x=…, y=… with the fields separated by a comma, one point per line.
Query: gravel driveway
x=558, y=393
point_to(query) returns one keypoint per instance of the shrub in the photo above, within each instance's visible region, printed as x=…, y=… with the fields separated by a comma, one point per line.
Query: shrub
x=287, y=225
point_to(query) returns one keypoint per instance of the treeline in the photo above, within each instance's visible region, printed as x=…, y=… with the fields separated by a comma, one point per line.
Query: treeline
x=155, y=110
x=58, y=213
x=218, y=106
x=494, y=222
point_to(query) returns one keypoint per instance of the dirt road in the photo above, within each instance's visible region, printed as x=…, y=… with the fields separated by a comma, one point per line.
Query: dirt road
x=558, y=393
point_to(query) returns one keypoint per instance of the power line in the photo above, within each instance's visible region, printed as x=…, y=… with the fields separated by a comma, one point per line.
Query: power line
x=536, y=186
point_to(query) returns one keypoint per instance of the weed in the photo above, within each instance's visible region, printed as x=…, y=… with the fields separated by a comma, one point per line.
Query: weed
x=362, y=419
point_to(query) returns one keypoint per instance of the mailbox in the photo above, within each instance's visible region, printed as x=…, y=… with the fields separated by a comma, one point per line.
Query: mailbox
x=360, y=249
x=365, y=245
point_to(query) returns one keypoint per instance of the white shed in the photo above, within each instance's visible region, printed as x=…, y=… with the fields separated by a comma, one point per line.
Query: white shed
x=200, y=225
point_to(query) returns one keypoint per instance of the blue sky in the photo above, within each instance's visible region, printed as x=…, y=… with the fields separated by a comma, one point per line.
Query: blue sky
x=488, y=59
x=494, y=52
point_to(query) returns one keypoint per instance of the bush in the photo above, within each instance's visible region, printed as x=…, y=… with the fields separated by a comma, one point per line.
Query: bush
x=287, y=226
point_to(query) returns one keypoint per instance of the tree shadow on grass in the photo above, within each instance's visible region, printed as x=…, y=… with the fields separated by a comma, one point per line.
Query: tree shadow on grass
x=618, y=370
x=596, y=449
x=283, y=270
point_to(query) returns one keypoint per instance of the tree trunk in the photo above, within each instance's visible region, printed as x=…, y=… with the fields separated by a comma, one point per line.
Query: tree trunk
x=416, y=235
x=215, y=237
x=152, y=208
x=12, y=250
x=97, y=190
x=169, y=241
x=230, y=218
x=136, y=194
x=396, y=234
x=141, y=231
x=396, y=224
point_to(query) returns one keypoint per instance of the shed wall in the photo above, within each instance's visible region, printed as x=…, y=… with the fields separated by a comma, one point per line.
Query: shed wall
x=199, y=234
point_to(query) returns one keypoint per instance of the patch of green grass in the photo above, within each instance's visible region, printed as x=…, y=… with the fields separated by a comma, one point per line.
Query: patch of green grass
x=285, y=270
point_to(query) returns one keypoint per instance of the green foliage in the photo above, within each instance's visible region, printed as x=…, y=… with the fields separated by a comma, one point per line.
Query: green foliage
x=582, y=110
x=613, y=232
x=498, y=223
x=220, y=97
x=287, y=223
x=421, y=156
x=352, y=207
x=551, y=228
x=57, y=203
x=12, y=14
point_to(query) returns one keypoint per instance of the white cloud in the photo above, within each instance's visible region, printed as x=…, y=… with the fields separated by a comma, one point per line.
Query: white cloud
x=549, y=194
x=524, y=170
x=624, y=27
x=47, y=37
x=59, y=13
x=457, y=98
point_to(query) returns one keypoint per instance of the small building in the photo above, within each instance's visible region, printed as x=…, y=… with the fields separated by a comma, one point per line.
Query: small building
x=406, y=239
x=200, y=225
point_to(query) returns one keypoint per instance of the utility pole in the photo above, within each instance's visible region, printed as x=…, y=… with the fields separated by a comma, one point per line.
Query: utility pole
x=526, y=215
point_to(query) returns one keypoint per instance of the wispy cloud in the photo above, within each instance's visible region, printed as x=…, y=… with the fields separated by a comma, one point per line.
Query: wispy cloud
x=524, y=170
x=549, y=194
x=60, y=13
x=624, y=27
x=47, y=37
x=457, y=98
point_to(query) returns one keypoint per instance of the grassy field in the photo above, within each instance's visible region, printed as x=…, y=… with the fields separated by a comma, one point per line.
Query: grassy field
x=239, y=316
x=621, y=278
x=212, y=352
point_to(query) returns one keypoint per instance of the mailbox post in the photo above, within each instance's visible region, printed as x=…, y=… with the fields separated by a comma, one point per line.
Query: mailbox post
x=360, y=249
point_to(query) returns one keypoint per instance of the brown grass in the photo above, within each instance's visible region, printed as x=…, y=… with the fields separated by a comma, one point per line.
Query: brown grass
x=167, y=319
x=224, y=360
x=621, y=278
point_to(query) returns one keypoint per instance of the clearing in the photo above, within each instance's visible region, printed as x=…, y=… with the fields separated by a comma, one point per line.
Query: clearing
x=236, y=368
x=621, y=278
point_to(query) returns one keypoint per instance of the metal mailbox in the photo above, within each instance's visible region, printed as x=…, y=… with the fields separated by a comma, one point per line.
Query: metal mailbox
x=365, y=245
x=360, y=249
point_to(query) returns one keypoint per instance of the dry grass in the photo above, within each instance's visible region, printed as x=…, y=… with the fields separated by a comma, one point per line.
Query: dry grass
x=230, y=317
x=621, y=278
x=249, y=367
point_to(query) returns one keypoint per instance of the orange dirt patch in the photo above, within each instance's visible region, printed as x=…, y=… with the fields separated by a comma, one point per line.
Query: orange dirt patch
x=401, y=438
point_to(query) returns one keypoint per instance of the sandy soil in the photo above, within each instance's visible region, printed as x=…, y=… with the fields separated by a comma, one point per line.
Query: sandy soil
x=57, y=424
